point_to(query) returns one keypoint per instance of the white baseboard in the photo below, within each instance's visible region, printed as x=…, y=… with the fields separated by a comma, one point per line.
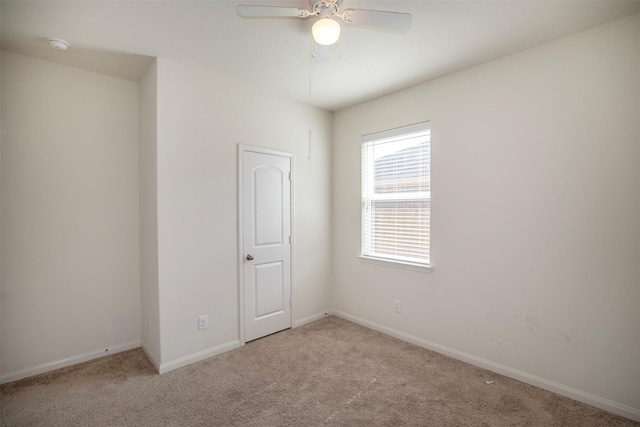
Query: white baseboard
x=309, y=319
x=561, y=389
x=73, y=360
x=196, y=357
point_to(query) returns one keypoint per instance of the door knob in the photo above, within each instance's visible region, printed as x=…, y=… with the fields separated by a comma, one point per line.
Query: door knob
x=249, y=257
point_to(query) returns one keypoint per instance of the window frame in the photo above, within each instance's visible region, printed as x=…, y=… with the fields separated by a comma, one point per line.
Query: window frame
x=366, y=197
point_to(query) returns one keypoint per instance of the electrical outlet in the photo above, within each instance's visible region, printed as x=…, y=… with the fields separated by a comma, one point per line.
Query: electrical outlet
x=203, y=322
x=396, y=306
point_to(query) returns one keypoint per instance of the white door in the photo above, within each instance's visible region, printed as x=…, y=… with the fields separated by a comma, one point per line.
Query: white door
x=266, y=242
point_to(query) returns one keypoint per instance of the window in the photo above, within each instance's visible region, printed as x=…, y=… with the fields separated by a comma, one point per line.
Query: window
x=396, y=196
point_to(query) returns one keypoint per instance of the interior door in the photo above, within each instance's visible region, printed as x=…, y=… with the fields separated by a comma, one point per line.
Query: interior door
x=266, y=242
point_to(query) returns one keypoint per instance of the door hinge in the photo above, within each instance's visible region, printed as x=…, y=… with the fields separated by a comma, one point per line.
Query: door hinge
x=289, y=302
x=289, y=238
x=289, y=176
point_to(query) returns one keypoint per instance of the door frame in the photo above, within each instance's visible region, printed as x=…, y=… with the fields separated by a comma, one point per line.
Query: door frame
x=241, y=286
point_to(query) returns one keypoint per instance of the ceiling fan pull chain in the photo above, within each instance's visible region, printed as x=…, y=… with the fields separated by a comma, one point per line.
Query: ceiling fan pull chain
x=311, y=55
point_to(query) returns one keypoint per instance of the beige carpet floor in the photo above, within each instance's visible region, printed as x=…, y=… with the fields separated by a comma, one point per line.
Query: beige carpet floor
x=330, y=372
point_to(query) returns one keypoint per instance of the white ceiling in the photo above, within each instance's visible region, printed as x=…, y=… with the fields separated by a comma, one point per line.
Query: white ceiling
x=120, y=38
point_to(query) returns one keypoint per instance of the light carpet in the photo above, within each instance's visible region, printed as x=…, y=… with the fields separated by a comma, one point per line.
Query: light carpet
x=331, y=372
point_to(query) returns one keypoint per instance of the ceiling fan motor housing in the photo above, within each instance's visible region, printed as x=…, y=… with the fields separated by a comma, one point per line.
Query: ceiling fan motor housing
x=325, y=7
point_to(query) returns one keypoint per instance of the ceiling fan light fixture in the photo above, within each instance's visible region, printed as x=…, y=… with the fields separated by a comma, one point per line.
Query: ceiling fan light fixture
x=325, y=31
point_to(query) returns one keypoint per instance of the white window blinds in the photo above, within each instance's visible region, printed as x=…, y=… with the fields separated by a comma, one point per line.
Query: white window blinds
x=396, y=194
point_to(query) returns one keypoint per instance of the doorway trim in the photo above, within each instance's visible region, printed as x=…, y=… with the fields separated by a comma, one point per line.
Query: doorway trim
x=241, y=287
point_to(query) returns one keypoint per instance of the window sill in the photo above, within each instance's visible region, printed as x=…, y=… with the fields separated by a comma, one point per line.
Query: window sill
x=397, y=264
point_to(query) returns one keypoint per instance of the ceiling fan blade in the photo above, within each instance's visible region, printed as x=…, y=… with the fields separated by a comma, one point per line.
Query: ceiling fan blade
x=255, y=11
x=395, y=21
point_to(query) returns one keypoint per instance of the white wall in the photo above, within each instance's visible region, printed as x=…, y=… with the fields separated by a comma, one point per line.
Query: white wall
x=109, y=243
x=201, y=120
x=70, y=260
x=535, y=214
x=149, y=298
x=1, y=275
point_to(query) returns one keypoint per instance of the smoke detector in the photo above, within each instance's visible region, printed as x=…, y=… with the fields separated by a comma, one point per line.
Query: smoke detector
x=59, y=44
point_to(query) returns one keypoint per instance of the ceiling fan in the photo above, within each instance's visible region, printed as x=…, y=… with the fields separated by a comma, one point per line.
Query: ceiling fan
x=326, y=30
